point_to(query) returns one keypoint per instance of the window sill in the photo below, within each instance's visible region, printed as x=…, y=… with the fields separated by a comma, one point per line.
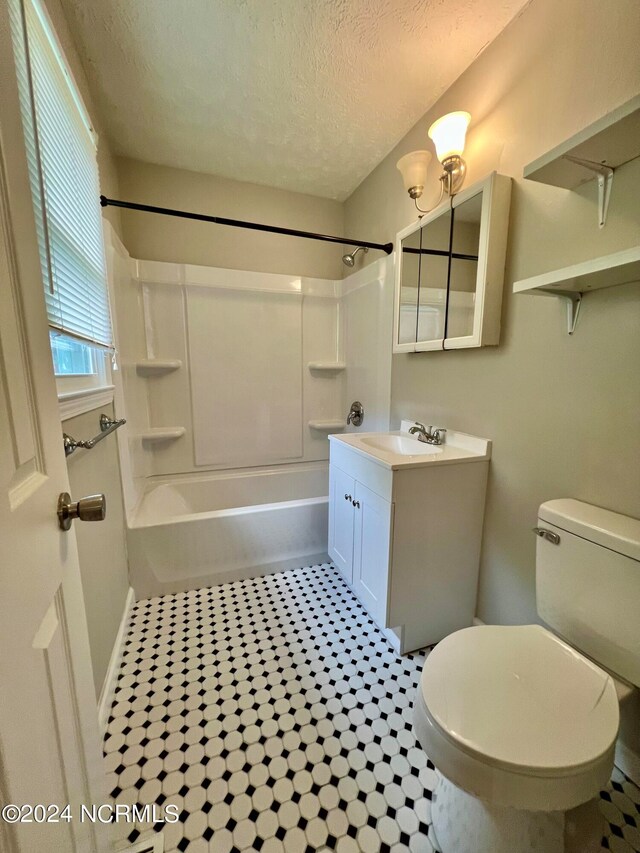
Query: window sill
x=74, y=403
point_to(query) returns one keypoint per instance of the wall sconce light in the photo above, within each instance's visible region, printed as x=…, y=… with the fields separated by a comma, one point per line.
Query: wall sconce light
x=448, y=134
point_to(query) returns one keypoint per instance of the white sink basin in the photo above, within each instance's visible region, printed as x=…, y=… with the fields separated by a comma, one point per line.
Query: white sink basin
x=399, y=450
x=402, y=445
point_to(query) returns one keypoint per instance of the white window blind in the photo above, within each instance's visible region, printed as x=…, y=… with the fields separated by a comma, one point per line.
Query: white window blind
x=61, y=154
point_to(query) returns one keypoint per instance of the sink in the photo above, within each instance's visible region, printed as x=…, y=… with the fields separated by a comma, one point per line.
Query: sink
x=399, y=450
x=401, y=445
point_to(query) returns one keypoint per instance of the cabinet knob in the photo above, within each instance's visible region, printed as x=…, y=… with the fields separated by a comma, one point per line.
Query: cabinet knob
x=347, y=497
x=356, y=504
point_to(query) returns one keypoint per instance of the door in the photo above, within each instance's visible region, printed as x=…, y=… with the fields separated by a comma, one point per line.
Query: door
x=49, y=740
x=341, y=497
x=372, y=552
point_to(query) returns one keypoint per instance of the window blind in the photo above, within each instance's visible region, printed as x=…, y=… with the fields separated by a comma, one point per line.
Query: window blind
x=61, y=155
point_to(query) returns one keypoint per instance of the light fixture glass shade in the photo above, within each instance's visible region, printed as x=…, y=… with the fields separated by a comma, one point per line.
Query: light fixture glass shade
x=413, y=168
x=448, y=134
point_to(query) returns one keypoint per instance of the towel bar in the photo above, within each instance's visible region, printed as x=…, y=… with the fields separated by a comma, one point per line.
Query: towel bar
x=107, y=426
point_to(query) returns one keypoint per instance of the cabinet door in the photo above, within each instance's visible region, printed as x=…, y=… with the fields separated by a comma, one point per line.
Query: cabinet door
x=407, y=288
x=371, y=551
x=478, y=249
x=341, y=495
x=432, y=286
x=463, y=321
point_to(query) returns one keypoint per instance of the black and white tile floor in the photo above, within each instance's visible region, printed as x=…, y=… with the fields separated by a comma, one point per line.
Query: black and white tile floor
x=275, y=716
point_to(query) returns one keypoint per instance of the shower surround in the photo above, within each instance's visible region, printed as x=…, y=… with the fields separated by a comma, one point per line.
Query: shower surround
x=231, y=381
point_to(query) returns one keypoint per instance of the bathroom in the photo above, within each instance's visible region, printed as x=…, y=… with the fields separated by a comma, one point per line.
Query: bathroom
x=239, y=646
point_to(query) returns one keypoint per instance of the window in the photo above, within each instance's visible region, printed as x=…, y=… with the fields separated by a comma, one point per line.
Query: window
x=71, y=357
x=61, y=154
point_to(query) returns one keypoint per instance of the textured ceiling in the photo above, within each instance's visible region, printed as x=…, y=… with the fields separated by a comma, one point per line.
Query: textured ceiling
x=307, y=95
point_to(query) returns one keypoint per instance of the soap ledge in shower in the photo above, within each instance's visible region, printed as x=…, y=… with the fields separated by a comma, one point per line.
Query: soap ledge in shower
x=150, y=366
x=327, y=366
x=328, y=425
x=158, y=434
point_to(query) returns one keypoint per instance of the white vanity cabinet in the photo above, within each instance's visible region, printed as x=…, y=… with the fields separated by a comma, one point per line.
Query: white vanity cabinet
x=360, y=526
x=406, y=536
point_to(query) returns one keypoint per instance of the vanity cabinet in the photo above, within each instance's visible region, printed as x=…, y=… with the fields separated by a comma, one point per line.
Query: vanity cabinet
x=407, y=540
x=450, y=271
x=360, y=525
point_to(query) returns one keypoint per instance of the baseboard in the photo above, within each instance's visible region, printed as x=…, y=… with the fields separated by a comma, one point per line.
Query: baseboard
x=111, y=677
x=628, y=761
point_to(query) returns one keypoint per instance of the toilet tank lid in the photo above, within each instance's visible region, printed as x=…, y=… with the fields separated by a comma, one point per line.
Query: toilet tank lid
x=617, y=532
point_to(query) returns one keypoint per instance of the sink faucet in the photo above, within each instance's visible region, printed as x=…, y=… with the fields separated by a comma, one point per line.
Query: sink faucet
x=428, y=435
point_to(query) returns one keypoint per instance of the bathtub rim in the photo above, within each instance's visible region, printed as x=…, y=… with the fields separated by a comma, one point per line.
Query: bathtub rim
x=154, y=482
x=225, y=513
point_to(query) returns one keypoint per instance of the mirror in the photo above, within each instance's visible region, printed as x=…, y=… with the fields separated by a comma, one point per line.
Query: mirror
x=434, y=269
x=465, y=245
x=450, y=271
x=409, y=285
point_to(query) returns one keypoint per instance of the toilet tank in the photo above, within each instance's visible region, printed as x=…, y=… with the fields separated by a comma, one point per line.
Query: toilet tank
x=588, y=582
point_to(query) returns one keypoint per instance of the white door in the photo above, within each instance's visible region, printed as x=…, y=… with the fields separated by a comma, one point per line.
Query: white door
x=371, y=552
x=49, y=740
x=341, y=497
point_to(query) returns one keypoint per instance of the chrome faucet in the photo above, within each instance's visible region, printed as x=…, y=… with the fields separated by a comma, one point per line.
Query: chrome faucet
x=356, y=414
x=428, y=435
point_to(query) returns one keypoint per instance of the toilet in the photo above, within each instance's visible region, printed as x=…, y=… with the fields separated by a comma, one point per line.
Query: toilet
x=521, y=721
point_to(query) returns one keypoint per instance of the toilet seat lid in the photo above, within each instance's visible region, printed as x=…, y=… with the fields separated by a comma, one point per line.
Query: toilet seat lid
x=521, y=698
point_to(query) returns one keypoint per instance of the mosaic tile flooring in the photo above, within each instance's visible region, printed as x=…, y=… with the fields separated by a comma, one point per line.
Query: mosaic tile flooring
x=274, y=715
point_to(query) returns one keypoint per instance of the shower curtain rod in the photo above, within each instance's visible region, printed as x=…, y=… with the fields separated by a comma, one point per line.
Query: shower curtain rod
x=239, y=223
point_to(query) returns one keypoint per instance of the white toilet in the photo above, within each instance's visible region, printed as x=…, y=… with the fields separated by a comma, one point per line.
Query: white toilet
x=521, y=726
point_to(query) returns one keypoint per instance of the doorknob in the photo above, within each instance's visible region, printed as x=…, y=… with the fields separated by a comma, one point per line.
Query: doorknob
x=91, y=508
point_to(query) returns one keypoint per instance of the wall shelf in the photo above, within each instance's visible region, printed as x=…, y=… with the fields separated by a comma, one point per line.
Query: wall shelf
x=328, y=425
x=571, y=283
x=594, y=152
x=327, y=366
x=154, y=366
x=158, y=434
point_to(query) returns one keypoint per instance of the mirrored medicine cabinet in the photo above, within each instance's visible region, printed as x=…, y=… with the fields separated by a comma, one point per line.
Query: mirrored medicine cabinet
x=450, y=271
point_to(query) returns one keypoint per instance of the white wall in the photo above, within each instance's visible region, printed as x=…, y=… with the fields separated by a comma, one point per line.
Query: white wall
x=562, y=411
x=172, y=311
x=130, y=393
x=367, y=305
x=101, y=547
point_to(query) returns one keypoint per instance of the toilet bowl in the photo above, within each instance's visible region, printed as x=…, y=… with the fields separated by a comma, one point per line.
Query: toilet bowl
x=520, y=725
x=515, y=717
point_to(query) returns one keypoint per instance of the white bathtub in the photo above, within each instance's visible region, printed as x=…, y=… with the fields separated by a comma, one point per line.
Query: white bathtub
x=199, y=530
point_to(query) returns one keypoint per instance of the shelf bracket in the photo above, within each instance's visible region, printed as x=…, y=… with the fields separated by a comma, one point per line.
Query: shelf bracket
x=574, y=301
x=605, y=181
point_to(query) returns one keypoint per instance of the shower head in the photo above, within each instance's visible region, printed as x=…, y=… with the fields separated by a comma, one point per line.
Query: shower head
x=350, y=259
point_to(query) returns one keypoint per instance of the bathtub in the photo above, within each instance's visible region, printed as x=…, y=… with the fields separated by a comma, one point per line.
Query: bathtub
x=198, y=530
